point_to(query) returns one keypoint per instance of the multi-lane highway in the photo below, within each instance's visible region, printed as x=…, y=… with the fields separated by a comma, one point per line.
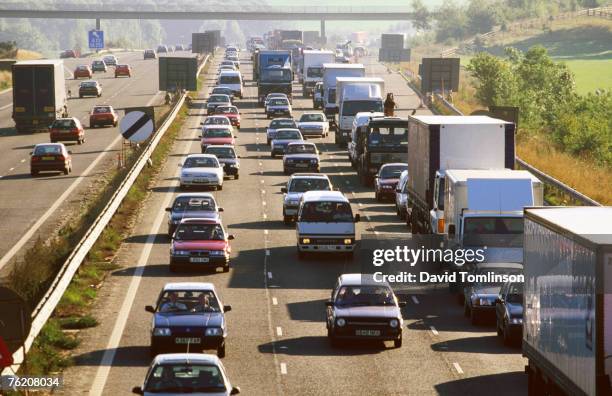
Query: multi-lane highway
x=277, y=340
x=35, y=206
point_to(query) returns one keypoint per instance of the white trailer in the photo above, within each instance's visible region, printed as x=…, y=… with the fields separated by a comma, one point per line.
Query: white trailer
x=567, y=302
x=354, y=95
x=312, y=68
x=331, y=71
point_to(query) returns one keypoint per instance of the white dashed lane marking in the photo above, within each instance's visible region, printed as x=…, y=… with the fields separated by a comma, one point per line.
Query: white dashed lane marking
x=279, y=331
x=283, y=368
x=274, y=301
x=458, y=368
x=415, y=300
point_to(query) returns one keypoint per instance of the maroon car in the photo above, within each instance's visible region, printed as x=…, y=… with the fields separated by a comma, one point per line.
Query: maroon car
x=50, y=157
x=386, y=180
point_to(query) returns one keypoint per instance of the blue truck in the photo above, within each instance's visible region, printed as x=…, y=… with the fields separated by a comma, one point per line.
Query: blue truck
x=274, y=74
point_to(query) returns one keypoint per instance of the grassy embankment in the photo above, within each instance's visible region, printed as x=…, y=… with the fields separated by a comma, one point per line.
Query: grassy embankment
x=19, y=54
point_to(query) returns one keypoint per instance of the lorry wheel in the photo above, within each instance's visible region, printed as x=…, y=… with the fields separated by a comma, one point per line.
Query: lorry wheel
x=226, y=268
x=466, y=309
x=377, y=197
x=66, y=171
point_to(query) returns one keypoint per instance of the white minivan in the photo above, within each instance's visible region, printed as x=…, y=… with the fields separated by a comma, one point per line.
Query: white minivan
x=231, y=79
x=326, y=224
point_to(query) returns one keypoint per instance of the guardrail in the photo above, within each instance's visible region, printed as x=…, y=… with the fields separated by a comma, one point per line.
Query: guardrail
x=47, y=305
x=546, y=179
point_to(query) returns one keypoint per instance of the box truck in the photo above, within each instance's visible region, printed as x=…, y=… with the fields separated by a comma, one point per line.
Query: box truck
x=567, y=300
x=39, y=94
x=312, y=68
x=437, y=143
x=354, y=95
x=274, y=73
x=331, y=71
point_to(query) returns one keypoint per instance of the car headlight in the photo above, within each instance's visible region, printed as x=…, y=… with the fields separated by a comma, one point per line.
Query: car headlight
x=348, y=241
x=180, y=252
x=305, y=241
x=213, y=331
x=516, y=320
x=340, y=322
x=394, y=323
x=162, y=332
x=484, y=301
x=217, y=252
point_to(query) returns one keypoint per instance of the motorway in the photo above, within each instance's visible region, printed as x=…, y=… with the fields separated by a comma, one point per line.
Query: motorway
x=277, y=342
x=36, y=205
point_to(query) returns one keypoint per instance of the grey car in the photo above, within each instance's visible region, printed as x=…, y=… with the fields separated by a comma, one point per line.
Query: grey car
x=297, y=185
x=217, y=100
x=227, y=158
x=278, y=107
x=279, y=123
x=192, y=206
x=283, y=138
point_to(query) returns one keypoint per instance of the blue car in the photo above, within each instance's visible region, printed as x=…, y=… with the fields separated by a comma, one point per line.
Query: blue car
x=509, y=312
x=283, y=137
x=188, y=316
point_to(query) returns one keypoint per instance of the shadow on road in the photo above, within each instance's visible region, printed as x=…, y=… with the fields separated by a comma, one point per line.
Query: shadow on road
x=511, y=384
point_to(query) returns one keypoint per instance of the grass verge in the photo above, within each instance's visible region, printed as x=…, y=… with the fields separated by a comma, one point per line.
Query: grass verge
x=6, y=80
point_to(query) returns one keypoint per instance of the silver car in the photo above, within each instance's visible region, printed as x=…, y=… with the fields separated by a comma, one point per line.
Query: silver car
x=279, y=123
x=314, y=124
x=278, y=107
x=401, y=195
x=297, y=185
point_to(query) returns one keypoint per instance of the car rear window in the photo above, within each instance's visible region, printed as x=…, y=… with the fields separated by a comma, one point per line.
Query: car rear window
x=216, y=132
x=283, y=124
x=229, y=80
x=199, y=232
x=217, y=121
x=101, y=109
x=183, y=204
x=51, y=149
x=63, y=124
x=201, y=163
x=227, y=110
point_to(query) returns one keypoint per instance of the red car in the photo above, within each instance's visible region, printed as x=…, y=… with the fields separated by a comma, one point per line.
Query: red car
x=216, y=135
x=50, y=157
x=387, y=178
x=82, y=71
x=123, y=70
x=230, y=112
x=201, y=243
x=67, y=129
x=103, y=115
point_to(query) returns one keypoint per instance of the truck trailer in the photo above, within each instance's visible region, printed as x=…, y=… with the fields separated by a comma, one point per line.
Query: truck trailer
x=567, y=300
x=331, y=71
x=39, y=94
x=312, y=68
x=274, y=73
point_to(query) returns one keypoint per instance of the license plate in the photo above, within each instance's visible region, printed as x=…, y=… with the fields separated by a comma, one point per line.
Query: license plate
x=188, y=340
x=48, y=158
x=301, y=165
x=201, y=180
x=367, y=333
x=198, y=260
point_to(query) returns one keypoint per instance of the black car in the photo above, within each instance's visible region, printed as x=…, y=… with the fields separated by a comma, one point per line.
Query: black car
x=509, y=312
x=98, y=66
x=362, y=308
x=149, y=54
x=188, y=316
x=90, y=88
x=227, y=158
x=192, y=206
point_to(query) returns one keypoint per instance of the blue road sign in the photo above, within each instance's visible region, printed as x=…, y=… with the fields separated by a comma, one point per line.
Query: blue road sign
x=96, y=39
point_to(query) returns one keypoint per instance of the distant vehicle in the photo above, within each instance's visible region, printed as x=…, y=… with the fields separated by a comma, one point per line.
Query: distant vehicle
x=149, y=54
x=230, y=112
x=90, y=88
x=401, y=195
x=358, y=134
x=217, y=100
x=192, y=305
x=98, y=66
x=387, y=179
x=110, y=60
x=162, y=49
x=222, y=91
x=297, y=185
x=66, y=54
x=311, y=68
x=317, y=96
x=325, y=224
x=216, y=134
x=186, y=371
x=223, y=68
x=195, y=236
x=273, y=95
x=279, y=123
x=232, y=48
x=82, y=71
x=50, y=157
x=509, y=312
x=227, y=158
x=301, y=156
x=123, y=70
x=278, y=107
x=102, y=115
x=201, y=170
x=179, y=47
x=314, y=124
x=217, y=119
x=232, y=80
x=192, y=206
x=363, y=309
x=283, y=137
x=67, y=130
x=479, y=297
x=227, y=62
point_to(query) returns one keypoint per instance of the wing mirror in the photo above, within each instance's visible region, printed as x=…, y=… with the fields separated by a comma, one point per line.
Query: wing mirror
x=499, y=301
x=402, y=304
x=329, y=303
x=150, y=308
x=168, y=209
x=235, y=390
x=227, y=308
x=220, y=209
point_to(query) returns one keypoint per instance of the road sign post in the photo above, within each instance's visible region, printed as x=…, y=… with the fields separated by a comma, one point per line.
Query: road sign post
x=96, y=39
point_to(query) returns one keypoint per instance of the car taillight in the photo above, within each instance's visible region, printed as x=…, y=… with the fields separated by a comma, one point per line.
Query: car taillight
x=60, y=158
x=35, y=159
x=74, y=130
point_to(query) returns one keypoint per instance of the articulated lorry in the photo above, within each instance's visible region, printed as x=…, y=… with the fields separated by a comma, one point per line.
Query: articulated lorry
x=274, y=73
x=331, y=71
x=312, y=68
x=354, y=95
x=567, y=300
x=39, y=94
x=438, y=143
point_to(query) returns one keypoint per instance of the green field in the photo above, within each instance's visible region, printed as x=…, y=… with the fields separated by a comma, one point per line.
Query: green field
x=591, y=74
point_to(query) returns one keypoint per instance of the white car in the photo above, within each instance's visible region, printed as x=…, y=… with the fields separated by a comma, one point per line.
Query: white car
x=313, y=124
x=186, y=373
x=223, y=68
x=201, y=170
x=401, y=195
x=231, y=79
x=217, y=120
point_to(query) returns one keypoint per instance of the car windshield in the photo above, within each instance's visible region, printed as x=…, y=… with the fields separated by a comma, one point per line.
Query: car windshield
x=221, y=152
x=282, y=124
x=194, y=204
x=493, y=231
x=226, y=110
x=351, y=296
x=201, y=162
x=216, y=133
x=301, y=149
x=50, y=149
x=315, y=71
x=515, y=293
x=223, y=91
x=350, y=108
x=380, y=136
x=311, y=118
x=217, y=121
x=276, y=75
x=301, y=185
x=101, y=109
x=63, y=124
x=188, y=301
x=219, y=99
x=279, y=102
x=97, y=63
x=83, y=67
x=325, y=211
x=185, y=378
x=392, y=171
x=229, y=80
x=288, y=135
x=88, y=84
x=199, y=232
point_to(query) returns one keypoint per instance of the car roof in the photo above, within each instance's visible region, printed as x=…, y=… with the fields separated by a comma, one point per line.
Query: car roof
x=187, y=357
x=222, y=95
x=301, y=142
x=195, y=195
x=309, y=176
x=49, y=144
x=201, y=156
x=188, y=286
x=314, y=196
x=200, y=220
x=282, y=119
x=360, y=280
x=277, y=94
x=221, y=87
x=227, y=146
x=229, y=73
x=312, y=112
x=287, y=129
x=394, y=164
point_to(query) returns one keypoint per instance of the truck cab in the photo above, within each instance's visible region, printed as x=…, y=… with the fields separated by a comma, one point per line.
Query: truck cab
x=356, y=94
x=360, y=123
x=275, y=73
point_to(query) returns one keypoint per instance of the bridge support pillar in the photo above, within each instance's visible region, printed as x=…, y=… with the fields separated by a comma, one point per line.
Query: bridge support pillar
x=98, y=24
x=323, y=34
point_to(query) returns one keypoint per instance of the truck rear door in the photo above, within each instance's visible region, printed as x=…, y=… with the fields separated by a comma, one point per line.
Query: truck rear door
x=44, y=95
x=23, y=95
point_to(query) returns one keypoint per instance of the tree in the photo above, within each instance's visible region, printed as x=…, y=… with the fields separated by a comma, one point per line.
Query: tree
x=422, y=17
x=482, y=15
x=496, y=84
x=451, y=22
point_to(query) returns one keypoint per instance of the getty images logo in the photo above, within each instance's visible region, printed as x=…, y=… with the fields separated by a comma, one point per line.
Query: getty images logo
x=406, y=255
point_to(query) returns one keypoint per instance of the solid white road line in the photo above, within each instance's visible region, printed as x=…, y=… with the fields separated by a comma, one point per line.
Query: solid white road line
x=283, y=368
x=433, y=330
x=415, y=300
x=458, y=368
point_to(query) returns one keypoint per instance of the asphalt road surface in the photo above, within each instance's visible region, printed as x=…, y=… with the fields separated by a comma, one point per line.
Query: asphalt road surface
x=33, y=204
x=277, y=341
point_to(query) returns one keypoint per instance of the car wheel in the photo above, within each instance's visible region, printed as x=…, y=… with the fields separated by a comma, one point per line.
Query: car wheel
x=115, y=123
x=221, y=350
x=333, y=340
x=301, y=254
x=181, y=186
x=287, y=220
x=66, y=170
x=285, y=171
x=398, y=343
x=498, y=328
x=506, y=335
x=273, y=155
x=267, y=116
x=220, y=187
x=414, y=224
x=80, y=96
x=153, y=351
x=268, y=141
x=80, y=141
x=34, y=173
x=172, y=267
x=236, y=176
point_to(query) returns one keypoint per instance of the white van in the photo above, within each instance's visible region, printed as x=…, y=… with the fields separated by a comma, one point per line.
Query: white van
x=231, y=79
x=325, y=223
